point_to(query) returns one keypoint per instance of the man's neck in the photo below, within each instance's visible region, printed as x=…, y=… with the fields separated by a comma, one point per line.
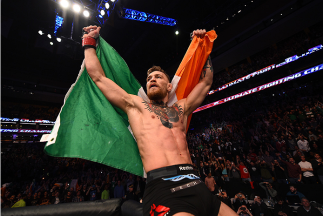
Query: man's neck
x=307, y=208
x=159, y=103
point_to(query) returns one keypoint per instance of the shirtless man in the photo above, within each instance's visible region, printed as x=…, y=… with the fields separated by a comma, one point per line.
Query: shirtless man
x=173, y=187
x=210, y=183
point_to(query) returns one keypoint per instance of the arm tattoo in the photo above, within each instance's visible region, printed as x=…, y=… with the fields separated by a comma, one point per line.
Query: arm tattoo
x=208, y=65
x=164, y=113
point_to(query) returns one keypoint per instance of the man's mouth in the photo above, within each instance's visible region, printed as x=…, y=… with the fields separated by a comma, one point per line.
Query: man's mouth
x=153, y=85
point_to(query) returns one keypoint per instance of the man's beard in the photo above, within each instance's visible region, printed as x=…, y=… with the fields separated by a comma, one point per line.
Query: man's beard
x=157, y=95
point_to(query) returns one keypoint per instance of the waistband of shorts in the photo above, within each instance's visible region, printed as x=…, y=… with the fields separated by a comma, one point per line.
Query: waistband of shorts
x=170, y=170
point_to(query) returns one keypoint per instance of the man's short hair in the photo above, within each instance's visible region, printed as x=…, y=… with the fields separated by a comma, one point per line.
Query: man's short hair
x=157, y=68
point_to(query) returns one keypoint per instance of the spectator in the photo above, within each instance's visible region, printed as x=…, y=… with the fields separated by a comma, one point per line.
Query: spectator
x=78, y=197
x=210, y=183
x=119, y=190
x=268, y=158
x=225, y=172
x=291, y=143
x=83, y=192
x=34, y=201
x=270, y=191
x=265, y=172
x=92, y=192
x=28, y=199
x=239, y=200
x=282, y=206
x=279, y=172
x=294, y=171
x=245, y=175
x=306, y=167
x=303, y=144
x=293, y=192
x=318, y=166
x=244, y=211
x=131, y=195
x=129, y=181
x=45, y=200
x=202, y=171
x=234, y=172
x=68, y=197
x=105, y=193
x=139, y=187
x=259, y=208
x=56, y=199
x=20, y=201
x=306, y=209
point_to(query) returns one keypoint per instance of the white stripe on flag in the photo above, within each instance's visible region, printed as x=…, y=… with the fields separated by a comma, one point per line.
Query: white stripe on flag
x=172, y=95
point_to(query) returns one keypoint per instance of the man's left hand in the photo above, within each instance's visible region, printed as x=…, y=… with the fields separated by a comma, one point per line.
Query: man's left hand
x=200, y=33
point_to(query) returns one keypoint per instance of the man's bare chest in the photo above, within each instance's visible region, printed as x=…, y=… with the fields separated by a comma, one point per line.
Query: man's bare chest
x=169, y=117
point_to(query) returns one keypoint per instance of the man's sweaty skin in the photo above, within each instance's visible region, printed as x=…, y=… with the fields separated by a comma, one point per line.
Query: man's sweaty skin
x=160, y=130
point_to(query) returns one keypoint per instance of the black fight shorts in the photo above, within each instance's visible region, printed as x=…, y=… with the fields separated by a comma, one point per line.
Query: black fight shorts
x=178, y=188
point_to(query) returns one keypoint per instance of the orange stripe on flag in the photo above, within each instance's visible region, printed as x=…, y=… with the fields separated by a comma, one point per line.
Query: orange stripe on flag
x=191, y=66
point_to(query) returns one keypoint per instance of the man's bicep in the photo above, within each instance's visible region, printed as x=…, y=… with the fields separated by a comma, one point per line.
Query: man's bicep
x=114, y=93
x=196, y=97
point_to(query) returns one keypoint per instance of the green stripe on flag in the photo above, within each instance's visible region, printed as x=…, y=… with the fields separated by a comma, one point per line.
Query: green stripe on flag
x=90, y=127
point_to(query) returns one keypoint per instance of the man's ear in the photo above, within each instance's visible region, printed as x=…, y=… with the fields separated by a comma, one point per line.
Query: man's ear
x=169, y=87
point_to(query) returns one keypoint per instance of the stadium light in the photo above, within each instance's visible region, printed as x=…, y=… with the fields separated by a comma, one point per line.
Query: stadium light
x=107, y=5
x=112, y=0
x=40, y=32
x=49, y=36
x=102, y=12
x=51, y=43
x=58, y=39
x=64, y=3
x=177, y=32
x=86, y=13
x=77, y=8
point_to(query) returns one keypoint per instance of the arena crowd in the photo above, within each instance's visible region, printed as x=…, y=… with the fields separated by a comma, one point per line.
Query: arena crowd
x=270, y=139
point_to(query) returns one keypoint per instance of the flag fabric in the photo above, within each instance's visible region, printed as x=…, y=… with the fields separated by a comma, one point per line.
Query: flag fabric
x=188, y=73
x=89, y=127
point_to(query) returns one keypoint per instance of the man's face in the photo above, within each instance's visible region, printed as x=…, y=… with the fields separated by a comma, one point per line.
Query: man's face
x=303, y=158
x=157, y=86
x=275, y=162
x=305, y=203
x=292, y=189
x=69, y=194
x=317, y=156
x=291, y=160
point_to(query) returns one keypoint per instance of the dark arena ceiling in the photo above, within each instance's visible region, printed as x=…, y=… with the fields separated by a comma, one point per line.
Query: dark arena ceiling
x=34, y=70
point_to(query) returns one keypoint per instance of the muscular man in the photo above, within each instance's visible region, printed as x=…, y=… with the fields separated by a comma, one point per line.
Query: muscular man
x=173, y=186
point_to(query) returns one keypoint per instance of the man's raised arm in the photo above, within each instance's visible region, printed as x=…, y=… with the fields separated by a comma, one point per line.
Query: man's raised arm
x=197, y=95
x=114, y=93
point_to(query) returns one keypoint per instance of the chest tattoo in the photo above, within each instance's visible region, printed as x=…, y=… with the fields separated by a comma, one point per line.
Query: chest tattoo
x=164, y=113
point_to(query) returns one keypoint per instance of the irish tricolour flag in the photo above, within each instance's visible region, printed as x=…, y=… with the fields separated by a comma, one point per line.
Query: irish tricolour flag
x=89, y=127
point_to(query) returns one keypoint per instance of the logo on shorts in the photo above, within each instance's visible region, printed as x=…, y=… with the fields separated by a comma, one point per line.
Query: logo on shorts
x=180, y=177
x=159, y=210
x=185, y=168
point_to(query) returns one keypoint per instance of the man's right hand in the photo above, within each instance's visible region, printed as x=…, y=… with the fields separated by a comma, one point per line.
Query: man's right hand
x=92, y=31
